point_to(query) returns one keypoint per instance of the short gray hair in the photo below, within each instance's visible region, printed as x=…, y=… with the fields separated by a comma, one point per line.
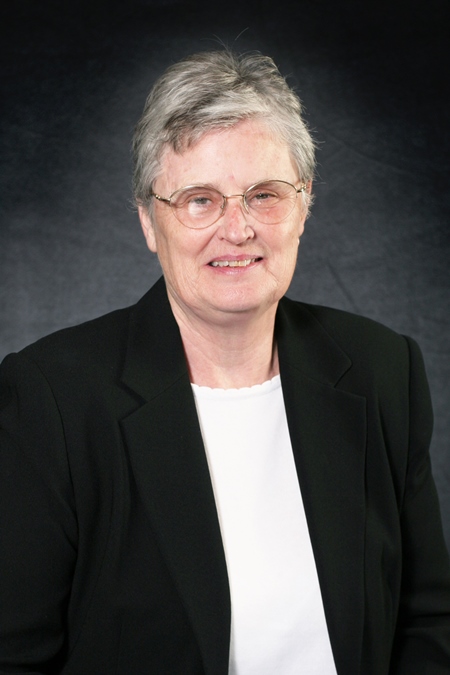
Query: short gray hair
x=214, y=90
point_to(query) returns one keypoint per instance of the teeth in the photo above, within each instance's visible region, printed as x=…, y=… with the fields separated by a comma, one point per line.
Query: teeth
x=233, y=263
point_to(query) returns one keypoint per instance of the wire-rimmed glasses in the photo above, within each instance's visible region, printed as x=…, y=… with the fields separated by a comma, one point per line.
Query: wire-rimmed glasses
x=199, y=206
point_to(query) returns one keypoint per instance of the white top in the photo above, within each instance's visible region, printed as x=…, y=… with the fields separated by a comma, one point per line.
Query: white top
x=278, y=623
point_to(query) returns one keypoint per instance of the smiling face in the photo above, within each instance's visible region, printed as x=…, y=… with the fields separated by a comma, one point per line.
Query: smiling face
x=237, y=267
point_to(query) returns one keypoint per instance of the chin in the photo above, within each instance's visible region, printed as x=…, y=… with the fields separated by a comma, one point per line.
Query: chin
x=244, y=303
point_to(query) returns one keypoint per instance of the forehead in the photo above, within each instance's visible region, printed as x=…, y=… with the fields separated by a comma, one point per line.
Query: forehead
x=230, y=158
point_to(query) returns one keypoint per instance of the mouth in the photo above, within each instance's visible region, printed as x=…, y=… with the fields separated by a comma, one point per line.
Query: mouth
x=234, y=263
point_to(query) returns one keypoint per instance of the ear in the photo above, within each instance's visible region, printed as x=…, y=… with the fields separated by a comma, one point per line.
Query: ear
x=309, y=201
x=301, y=226
x=147, y=228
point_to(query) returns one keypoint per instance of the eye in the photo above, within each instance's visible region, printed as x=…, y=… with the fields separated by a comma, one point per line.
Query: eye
x=196, y=200
x=200, y=203
x=200, y=200
x=262, y=197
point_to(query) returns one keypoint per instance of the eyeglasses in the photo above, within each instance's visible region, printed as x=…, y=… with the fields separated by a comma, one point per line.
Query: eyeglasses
x=197, y=207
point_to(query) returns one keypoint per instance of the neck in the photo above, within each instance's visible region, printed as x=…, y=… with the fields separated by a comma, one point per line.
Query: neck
x=230, y=354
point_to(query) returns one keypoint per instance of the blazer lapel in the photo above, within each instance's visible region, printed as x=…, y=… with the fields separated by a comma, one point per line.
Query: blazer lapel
x=328, y=436
x=167, y=454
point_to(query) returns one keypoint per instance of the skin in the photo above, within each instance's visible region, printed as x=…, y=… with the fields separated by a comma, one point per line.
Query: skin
x=226, y=314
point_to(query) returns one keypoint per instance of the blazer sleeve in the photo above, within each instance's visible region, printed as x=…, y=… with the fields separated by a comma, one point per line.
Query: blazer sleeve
x=37, y=523
x=422, y=645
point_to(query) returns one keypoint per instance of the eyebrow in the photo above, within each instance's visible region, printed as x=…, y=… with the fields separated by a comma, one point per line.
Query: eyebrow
x=213, y=187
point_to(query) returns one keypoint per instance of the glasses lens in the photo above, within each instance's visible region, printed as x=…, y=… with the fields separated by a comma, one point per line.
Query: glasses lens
x=272, y=201
x=197, y=206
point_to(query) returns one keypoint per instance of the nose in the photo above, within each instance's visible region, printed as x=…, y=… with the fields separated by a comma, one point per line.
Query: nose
x=234, y=222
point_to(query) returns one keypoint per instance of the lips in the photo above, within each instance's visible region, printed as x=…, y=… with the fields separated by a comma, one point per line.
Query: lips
x=234, y=263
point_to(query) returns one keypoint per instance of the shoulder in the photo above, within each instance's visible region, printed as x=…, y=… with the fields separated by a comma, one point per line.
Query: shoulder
x=378, y=358
x=75, y=352
x=339, y=323
x=93, y=345
x=357, y=336
x=87, y=361
x=363, y=357
x=60, y=375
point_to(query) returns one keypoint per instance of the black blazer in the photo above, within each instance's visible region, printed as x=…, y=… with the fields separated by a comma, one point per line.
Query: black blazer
x=111, y=559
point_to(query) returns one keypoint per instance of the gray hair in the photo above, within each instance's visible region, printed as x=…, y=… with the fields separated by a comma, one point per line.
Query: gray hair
x=214, y=90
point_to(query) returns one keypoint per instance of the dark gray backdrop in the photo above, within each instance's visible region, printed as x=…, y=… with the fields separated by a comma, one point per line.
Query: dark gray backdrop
x=374, y=81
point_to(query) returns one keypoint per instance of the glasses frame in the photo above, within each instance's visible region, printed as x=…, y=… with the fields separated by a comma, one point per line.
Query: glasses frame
x=225, y=198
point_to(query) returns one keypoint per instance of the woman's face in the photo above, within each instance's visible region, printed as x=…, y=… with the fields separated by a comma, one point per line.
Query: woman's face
x=230, y=160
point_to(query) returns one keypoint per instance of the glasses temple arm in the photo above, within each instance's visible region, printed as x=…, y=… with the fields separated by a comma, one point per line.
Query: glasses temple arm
x=159, y=198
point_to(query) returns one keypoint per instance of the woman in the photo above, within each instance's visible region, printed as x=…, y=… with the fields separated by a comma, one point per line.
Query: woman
x=218, y=479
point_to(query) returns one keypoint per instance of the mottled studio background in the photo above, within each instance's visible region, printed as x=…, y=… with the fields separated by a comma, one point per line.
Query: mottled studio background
x=374, y=80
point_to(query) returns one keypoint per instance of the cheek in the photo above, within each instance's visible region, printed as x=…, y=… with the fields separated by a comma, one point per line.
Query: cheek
x=288, y=253
x=288, y=245
x=179, y=255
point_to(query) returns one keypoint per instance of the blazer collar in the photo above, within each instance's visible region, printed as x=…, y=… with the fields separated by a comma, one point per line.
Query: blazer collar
x=327, y=428
x=154, y=357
